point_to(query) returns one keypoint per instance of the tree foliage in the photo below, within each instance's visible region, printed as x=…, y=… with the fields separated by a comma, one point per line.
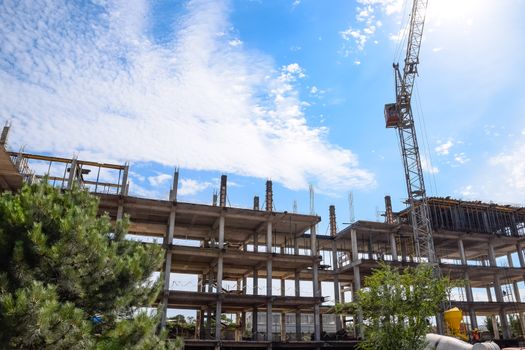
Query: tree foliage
x=396, y=306
x=68, y=278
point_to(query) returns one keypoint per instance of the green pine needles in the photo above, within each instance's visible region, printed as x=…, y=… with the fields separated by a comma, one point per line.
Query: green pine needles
x=69, y=279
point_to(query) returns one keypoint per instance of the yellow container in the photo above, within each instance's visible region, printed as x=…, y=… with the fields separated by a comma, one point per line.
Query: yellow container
x=453, y=319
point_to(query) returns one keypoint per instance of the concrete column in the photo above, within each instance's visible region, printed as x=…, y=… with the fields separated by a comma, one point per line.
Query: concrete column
x=243, y=323
x=72, y=173
x=315, y=281
x=220, y=267
x=124, y=183
x=462, y=254
x=321, y=327
x=499, y=299
x=168, y=242
x=504, y=325
x=297, y=312
x=473, y=319
x=468, y=288
x=167, y=267
x=519, y=250
x=517, y=297
x=489, y=294
x=509, y=259
x=208, y=282
x=120, y=210
x=238, y=328
x=516, y=290
x=4, y=135
x=255, y=314
x=243, y=313
x=208, y=322
x=393, y=247
x=497, y=289
x=353, y=241
x=337, y=296
x=357, y=281
x=495, y=326
x=201, y=332
x=199, y=322
x=470, y=299
x=269, y=281
x=492, y=255
x=404, y=252
x=342, y=295
x=283, y=315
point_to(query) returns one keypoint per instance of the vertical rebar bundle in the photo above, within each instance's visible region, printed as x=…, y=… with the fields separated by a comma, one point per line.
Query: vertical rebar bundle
x=222, y=192
x=389, y=214
x=269, y=196
x=333, y=223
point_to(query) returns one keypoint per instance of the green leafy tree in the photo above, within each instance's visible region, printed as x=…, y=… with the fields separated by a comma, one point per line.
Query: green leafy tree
x=490, y=326
x=179, y=319
x=396, y=307
x=69, y=279
x=515, y=326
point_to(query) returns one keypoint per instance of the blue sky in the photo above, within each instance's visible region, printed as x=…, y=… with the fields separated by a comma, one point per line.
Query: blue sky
x=288, y=90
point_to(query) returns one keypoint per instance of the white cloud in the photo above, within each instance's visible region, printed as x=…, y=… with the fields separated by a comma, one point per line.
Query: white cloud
x=294, y=69
x=88, y=78
x=367, y=22
x=363, y=13
x=444, y=148
x=314, y=90
x=428, y=167
x=188, y=187
x=359, y=37
x=296, y=3
x=235, y=42
x=467, y=192
x=389, y=7
x=159, y=179
x=501, y=178
x=437, y=49
x=137, y=176
x=398, y=37
x=511, y=168
x=461, y=158
x=138, y=190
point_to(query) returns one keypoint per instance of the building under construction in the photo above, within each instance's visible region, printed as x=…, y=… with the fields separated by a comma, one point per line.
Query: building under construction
x=273, y=275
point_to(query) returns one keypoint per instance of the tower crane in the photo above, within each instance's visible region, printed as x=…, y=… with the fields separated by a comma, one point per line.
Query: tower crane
x=399, y=115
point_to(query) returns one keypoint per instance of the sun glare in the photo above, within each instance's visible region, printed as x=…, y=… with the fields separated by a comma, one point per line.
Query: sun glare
x=462, y=11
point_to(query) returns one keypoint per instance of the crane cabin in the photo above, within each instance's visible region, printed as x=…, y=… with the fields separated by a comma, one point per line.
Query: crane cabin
x=391, y=115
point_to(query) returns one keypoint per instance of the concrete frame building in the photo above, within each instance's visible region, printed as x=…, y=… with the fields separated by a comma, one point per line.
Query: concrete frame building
x=479, y=243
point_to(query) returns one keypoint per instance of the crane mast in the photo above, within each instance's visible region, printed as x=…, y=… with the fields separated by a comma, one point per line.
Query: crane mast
x=399, y=115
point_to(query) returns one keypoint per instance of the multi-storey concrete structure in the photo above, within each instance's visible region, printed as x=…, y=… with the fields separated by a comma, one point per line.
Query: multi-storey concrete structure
x=281, y=252
x=477, y=243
